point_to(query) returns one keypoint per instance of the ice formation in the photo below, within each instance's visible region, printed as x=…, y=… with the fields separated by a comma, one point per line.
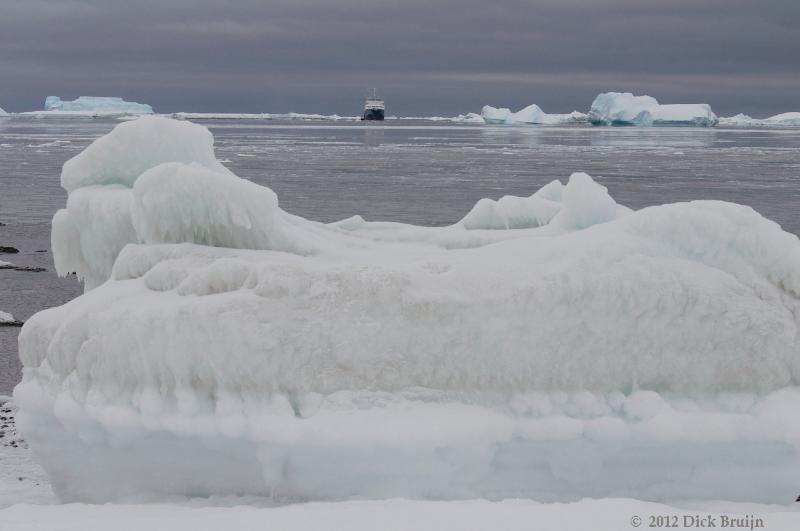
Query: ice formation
x=554, y=347
x=6, y=317
x=787, y=119
x=2, y=112
x=532, y=114
x=96, y=105
x=623, y=108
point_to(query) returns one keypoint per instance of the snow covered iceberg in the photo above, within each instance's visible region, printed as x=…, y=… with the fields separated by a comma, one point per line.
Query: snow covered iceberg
x=623, y=108
x=95, y=105
x=553, y=347
x=532, y=114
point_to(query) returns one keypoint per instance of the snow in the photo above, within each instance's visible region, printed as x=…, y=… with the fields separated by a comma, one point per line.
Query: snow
x=95, y=105
x=6, y=317
x=623, y=108
x=553, y=347
x=532, y=114
x=392, y=515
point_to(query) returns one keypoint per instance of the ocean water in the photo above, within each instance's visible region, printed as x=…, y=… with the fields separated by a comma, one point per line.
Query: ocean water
x=428, y=173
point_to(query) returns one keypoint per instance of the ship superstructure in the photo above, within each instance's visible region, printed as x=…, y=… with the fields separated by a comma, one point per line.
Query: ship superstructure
x=374, y=107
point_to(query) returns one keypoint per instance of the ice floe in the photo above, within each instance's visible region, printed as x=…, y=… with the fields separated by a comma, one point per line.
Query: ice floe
x=554, y=347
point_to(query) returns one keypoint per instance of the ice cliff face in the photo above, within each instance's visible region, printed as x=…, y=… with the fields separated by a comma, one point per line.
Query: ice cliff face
x=623, y=108
x=96, y=105
x=554, y=346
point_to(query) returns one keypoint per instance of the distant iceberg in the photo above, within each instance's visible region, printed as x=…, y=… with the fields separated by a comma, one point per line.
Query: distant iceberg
x=623, y=108
x=96, y=105
x=2, y=112
x=532, y=114
x=787, y=119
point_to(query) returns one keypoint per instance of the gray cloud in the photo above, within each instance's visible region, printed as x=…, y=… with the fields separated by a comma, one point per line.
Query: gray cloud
x=427, y=57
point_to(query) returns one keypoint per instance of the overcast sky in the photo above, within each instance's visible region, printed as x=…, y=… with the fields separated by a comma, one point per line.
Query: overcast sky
x=440, y=57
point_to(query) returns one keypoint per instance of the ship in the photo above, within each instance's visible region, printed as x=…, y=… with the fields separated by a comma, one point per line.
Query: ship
x=373, y=107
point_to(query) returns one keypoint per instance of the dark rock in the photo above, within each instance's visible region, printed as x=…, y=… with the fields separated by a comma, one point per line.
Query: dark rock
x=12, y=267
x=12, y=323
x=8, y=250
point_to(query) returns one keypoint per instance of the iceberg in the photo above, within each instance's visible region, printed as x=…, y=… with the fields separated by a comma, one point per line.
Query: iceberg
x=623, y=108
x=532, y=114
x=2, y=112
x=555, y=347
x=95, y=105
x=787, y=119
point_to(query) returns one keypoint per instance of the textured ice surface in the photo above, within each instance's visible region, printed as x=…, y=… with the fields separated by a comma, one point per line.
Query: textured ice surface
x=623, y=108
x=556, y=346
x=532, y=114
x=96, y=105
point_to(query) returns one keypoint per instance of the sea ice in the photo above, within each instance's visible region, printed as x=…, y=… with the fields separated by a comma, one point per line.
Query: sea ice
x=96, y=105
x=555, y=347
x=623, y=108
x=6, y=317
x=532, y=114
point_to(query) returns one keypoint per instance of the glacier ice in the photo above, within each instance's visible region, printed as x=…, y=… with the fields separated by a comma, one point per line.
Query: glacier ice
x=532, y=114
x=623, y=108
x=96, y=105
x=555, y=346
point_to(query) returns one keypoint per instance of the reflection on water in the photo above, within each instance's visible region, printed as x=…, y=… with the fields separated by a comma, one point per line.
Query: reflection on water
x=373, y=136
x=424, y=173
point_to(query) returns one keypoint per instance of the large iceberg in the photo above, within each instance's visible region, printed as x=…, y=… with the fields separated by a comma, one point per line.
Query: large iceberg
x=96, y=105
x=623, y=108
x=555, y=347
x=532, y=114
